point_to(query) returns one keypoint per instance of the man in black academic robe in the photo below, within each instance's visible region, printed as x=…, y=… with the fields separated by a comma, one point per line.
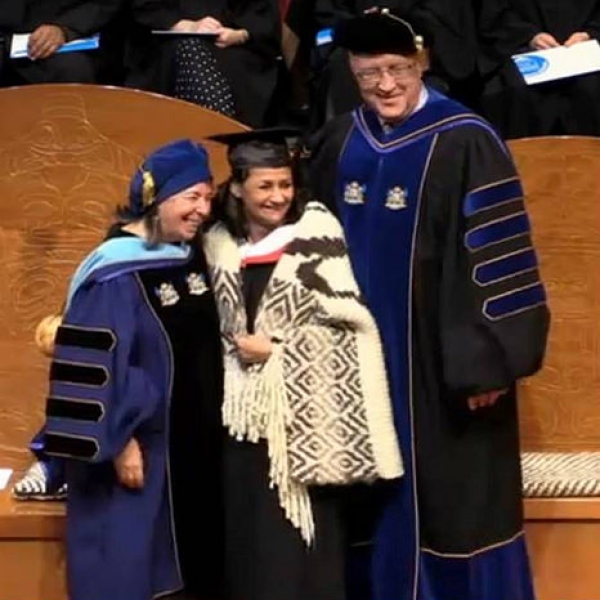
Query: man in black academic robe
x=440, y=242
x=450, y=30
x=51, y=23
x=251, y=67
x=566, y=106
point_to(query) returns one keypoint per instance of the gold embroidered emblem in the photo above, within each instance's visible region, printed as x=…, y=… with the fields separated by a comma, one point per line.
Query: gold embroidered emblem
x=148, y=189
x=167, y=294
x=354, y=193
x=196, y=284
x=396, y=198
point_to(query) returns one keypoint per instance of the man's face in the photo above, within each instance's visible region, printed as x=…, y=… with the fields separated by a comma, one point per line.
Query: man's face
x=390, y=84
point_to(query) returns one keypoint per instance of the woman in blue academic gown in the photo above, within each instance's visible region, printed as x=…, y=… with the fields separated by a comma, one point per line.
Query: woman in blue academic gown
x=135, y=392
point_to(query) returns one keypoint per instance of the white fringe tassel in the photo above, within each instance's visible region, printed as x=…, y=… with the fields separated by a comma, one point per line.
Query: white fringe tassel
x=255, y=407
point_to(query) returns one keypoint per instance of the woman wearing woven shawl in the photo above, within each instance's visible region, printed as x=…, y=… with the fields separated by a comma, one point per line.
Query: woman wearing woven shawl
x=306, y=401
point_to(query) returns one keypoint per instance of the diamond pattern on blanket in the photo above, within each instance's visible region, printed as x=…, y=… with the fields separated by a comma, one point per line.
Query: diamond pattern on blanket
x=325, y=419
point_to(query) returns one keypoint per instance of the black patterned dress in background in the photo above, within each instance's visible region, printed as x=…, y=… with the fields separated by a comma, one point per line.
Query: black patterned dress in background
x=199, y=79
x=251, y=70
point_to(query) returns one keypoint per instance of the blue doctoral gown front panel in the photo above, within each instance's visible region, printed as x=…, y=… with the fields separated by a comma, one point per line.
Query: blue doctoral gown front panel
x=378, y=194
x=119, y=541
x=378, y=205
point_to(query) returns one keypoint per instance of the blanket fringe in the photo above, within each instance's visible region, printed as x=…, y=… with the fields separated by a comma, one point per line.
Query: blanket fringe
x=256, y=407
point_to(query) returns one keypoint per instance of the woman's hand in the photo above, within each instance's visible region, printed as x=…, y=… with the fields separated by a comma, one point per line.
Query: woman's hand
x=255, y=348
x=577, y=38
x=231, y=37
x=543, y=41
x=184, y=26
x=207, y=24
x=129, y=465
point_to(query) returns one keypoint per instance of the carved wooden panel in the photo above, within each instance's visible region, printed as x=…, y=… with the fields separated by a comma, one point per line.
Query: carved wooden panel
x=66, y=155
x=560, y=407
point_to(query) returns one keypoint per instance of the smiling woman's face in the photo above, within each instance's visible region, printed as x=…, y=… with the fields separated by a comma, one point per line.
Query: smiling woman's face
x=266, y=196
x=182, y=215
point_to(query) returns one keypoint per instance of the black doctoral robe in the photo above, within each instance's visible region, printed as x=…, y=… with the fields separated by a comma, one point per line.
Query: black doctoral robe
x=567, y=106
x=439, y=238
x=251, y=68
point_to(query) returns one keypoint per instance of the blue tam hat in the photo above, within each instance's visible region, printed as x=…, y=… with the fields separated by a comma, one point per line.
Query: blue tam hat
x=169, y=170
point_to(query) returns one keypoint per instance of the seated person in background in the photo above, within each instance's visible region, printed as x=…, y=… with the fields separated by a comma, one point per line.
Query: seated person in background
x=51, y=23
x=566, y=106
x=449, y=35
x=298, y=41
x=233, y=72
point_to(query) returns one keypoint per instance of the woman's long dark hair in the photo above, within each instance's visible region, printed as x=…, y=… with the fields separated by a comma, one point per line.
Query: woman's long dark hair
x=229, y=210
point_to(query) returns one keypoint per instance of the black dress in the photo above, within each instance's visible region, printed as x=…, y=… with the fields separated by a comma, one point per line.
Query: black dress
x=196, y=432
x=266, y=557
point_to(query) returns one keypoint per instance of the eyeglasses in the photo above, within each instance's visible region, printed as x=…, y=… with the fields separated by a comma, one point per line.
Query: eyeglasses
x=372, y=77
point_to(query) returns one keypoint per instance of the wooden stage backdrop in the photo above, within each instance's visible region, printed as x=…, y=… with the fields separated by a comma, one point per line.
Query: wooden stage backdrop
x=66, y=155
x=559, y=406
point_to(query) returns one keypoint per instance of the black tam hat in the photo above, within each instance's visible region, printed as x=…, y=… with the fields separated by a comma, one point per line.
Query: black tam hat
x=378, y=31
x=267, y=148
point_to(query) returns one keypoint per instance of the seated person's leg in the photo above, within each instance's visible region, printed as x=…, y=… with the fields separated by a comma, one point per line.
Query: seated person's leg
x=72, y=67
x=199, y=79
x=581, y=109
x=6, y=74
x=518, y=110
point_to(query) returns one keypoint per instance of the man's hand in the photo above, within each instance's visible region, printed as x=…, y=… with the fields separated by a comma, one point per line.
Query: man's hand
x=543, y=41
x=254, y=348
x=577, y=38
x=45, y=41
x=129, y=465
x=485, y=399
x=231, y=37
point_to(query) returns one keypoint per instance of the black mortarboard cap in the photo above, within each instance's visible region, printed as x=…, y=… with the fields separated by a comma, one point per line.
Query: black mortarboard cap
x=378, y=31
x=256, y=148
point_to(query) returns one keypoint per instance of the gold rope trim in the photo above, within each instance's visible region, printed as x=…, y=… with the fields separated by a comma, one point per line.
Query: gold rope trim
x=476, y=552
